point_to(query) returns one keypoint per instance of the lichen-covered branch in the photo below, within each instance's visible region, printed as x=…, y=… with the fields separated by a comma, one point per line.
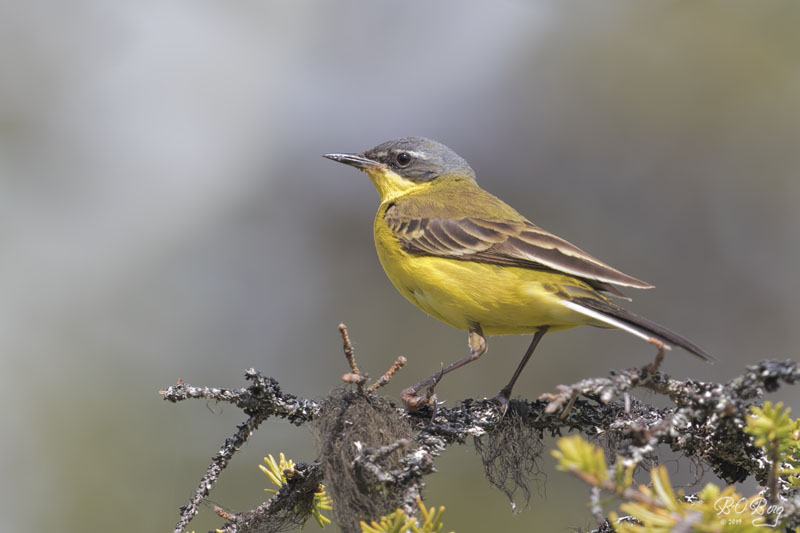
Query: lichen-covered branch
x=288, y=508
x=259, y=401
x=263, y=398
x=373, y=455
x=707, y=421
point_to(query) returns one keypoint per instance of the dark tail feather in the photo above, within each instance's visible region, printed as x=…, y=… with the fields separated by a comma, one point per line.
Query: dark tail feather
x=640, y=324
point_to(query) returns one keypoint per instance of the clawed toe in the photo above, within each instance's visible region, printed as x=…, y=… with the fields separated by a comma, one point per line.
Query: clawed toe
x=502, y=400
x=414, y=401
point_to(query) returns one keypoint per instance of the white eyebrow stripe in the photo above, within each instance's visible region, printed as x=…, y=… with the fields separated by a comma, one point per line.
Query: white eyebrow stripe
x=418, y=155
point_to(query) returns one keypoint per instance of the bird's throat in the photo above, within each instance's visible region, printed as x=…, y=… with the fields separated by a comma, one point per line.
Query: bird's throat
x=391, y=185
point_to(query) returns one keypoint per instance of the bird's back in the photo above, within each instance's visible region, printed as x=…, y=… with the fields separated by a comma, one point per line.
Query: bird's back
x=454, y=196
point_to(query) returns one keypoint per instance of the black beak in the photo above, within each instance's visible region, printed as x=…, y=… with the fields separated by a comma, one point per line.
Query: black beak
x=354, y=160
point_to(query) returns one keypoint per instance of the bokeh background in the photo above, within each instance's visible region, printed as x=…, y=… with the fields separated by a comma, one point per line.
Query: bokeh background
x=165, y=213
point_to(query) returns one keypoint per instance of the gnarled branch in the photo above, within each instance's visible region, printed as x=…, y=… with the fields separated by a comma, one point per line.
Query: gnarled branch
x=705, y=423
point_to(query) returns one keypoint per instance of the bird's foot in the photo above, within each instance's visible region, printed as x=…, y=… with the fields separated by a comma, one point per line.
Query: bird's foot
x=652, y=368
x=502, y=399
x=414, y=401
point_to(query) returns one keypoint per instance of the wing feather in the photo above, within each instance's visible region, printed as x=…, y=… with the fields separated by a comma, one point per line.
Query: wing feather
x=521, y=244
x=482, y=229
x=438, y=229
x=463, y=237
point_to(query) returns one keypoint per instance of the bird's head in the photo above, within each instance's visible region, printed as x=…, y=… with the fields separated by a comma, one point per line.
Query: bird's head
x=403, y=165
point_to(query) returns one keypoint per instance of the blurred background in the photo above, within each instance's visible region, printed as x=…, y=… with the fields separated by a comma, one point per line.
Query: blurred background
x=165, y=213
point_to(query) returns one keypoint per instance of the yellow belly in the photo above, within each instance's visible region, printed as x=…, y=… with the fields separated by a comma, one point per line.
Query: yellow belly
x=501, y=299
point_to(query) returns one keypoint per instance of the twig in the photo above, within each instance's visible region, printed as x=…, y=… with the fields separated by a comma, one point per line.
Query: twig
x=408, y=479
x=595, y=506
x=772, y=478
x=263, y=396
x=354, y=376
x=348, y=348
x=218, y=464
x=279, y=510
x=260, y=401
x=383, y=451
x=384, y=379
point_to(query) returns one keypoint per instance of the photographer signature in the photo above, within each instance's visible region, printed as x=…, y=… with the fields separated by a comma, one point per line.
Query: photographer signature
x=763, y=514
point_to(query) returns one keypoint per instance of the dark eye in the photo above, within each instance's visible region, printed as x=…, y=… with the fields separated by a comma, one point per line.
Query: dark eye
x=403, y=159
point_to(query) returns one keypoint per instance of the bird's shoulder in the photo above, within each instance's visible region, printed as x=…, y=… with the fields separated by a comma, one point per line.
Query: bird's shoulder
x=453, y=198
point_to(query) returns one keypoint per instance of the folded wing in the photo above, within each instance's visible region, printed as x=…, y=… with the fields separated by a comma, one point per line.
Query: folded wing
x=520, y=244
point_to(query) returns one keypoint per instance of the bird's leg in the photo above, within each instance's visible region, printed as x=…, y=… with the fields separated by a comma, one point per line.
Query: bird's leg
x=504, y=395
x=652, y=368
x=413, y=401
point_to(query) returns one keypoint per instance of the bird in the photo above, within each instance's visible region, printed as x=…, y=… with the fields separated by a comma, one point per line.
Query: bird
x=467, y=258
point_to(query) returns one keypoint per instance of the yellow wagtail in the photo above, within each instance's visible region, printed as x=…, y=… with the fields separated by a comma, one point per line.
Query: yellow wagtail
x=467, y=258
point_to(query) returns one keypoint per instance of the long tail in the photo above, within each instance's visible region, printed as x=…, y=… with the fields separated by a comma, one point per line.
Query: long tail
x=648, y=330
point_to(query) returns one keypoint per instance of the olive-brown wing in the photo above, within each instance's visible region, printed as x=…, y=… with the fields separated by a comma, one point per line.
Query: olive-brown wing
x=520, y=244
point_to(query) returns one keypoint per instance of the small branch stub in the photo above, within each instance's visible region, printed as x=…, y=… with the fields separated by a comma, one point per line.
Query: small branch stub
x=384, y=379
x=354, y=376
x=360, y=379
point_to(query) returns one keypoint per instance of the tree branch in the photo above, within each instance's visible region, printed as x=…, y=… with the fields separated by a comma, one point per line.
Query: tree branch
x=706, y=423
x=259, y=401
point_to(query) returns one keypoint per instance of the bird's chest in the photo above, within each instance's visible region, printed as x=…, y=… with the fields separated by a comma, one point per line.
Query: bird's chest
x=406, y=272
x=425, y=281
x=395, y=261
